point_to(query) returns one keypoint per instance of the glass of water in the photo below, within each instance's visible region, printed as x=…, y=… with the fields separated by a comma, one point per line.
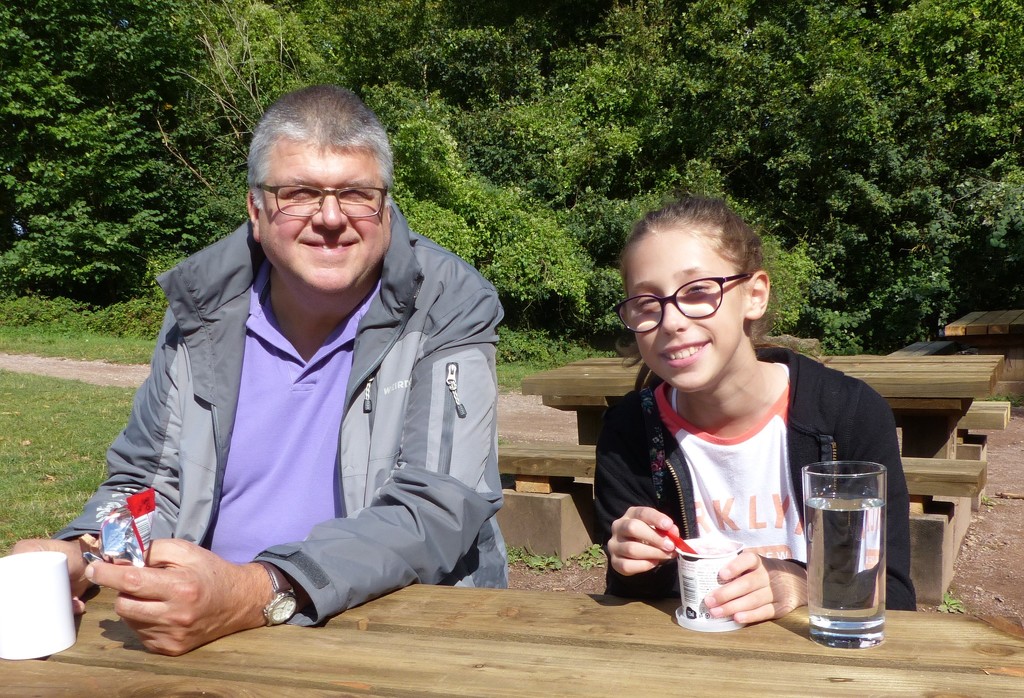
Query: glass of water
x=844, y=523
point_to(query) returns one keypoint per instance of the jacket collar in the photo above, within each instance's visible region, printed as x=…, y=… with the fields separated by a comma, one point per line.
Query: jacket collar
x=208, y=295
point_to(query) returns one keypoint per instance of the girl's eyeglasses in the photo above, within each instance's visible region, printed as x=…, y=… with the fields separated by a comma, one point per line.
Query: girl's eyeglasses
x=696, y=299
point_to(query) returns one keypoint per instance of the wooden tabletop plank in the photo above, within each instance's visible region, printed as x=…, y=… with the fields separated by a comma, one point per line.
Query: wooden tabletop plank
x=555, y=460
x=354, y=662
x=54, y=678
x=1000, y=320
x=983, y=324
x=958, y=327
x=990, y=322
x=960, y=376
x=603, y=621
x=1016, y=326
x=435, y=641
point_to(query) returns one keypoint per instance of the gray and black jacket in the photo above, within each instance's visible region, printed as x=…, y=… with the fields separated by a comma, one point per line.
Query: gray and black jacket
x=418, y=449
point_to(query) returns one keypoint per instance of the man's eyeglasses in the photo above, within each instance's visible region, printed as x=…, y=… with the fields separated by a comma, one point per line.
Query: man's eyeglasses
x=303, y=201
x=696, y=299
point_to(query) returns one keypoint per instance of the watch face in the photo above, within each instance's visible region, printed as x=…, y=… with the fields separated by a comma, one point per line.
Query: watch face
x=281, y=609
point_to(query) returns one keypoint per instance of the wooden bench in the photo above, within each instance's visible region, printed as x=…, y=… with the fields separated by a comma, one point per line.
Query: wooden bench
x=934, y=348
x=995, y=332
x=985, y=414
x=543, y=467
x=945, y=477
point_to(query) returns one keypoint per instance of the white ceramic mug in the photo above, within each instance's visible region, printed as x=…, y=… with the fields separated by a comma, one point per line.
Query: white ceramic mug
x=37, y=620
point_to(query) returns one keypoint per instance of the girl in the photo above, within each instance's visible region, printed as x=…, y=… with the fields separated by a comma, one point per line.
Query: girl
x=717, y=446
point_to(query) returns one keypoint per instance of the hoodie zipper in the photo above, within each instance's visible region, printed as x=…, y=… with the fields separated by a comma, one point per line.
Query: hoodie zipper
x=682, y=503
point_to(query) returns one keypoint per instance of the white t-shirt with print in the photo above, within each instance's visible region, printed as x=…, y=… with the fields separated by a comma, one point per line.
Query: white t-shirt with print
x=742, y=485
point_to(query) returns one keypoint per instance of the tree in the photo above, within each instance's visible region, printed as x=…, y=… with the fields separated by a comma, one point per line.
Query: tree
x=88, y=89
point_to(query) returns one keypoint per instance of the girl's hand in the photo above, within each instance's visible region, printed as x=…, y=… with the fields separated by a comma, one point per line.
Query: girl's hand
x=635, y=546
x=756, y=588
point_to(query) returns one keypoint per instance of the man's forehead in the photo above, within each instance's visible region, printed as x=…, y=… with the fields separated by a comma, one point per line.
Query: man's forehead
x=357, y=162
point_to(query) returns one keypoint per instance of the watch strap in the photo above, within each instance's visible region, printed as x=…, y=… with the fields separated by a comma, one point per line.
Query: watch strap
x=277, y=578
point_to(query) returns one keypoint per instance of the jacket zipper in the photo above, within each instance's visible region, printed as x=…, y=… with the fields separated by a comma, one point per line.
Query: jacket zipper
x=367, y=400
x=682, y=503
x=451, y=408
x=218, y=479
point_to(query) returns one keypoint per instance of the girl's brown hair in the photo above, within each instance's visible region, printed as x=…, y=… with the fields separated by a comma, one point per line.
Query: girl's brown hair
x=713, y=220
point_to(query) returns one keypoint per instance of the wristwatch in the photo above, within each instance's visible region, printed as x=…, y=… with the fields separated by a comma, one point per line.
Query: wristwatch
x=283, y=605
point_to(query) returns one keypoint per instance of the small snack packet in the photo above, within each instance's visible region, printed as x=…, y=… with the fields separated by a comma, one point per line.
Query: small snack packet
x=125, y=532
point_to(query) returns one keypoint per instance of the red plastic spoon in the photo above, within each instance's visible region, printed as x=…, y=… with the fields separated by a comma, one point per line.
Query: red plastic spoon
x=681, y=545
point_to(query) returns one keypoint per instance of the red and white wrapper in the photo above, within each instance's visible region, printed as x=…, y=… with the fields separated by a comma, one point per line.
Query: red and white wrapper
x=125, y=532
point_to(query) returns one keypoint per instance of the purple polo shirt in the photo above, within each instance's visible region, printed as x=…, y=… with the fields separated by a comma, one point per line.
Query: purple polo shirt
x=281, y=475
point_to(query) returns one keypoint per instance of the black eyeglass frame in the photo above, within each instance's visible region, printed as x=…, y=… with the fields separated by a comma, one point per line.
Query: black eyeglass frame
x=324, y=193
x=674, y=299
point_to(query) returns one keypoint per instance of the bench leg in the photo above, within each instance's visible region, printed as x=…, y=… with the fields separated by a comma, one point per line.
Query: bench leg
x=560, y=523
x=932, y=551
x=927, y=436
x=588, y=424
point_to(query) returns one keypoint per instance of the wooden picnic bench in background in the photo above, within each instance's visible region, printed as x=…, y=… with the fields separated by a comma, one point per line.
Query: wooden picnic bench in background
x=543, y=469
x=935, y=395
x=997, y=332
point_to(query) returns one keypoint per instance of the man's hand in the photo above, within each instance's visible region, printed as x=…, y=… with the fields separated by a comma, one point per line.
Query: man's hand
x=76, y=564
x=186, y=597
x=635, y=546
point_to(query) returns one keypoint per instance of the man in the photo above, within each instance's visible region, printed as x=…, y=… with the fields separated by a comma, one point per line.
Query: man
x=322, y=310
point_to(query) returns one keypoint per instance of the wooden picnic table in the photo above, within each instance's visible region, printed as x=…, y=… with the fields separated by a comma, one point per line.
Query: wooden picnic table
x=928, y=394
x=999, y=332
x=445, y=641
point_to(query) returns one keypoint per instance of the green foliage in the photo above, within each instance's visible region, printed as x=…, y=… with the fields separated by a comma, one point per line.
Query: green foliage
x=792, y=272
x=590, y=558
x=537, y=563
x=951, y=604
x=879, y=148
x=89, y=190
x=538, y=348
x=137, y=319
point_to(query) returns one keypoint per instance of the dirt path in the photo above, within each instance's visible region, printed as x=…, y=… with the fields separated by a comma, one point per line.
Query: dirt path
x=988, y=570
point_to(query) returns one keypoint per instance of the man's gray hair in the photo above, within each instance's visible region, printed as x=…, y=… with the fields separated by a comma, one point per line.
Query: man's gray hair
x=322, y=116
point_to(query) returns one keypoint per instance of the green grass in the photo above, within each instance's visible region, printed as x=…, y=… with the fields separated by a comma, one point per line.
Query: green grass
x=40, y=342
x=1014, y=400
x=53, y=438
x=510, y=376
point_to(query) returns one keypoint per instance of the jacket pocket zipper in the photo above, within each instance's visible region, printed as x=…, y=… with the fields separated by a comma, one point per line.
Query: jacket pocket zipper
x=453, y=387
x=452, y=408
